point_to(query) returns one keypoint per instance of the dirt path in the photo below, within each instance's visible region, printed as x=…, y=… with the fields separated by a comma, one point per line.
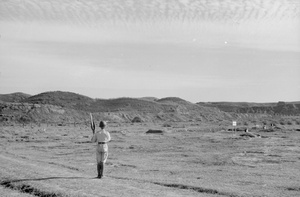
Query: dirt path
x=50, y=179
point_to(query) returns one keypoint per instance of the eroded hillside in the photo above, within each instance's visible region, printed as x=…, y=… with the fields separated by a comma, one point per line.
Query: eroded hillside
x=280, y=108
x=68, y=107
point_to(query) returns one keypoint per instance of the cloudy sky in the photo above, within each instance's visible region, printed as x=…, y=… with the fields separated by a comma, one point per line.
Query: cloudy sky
x=199, y=50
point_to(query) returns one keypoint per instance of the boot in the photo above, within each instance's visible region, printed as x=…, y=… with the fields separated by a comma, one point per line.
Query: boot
x=99, y=170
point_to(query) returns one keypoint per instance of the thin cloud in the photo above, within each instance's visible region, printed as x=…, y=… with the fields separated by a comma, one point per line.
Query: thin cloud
x=159, y=45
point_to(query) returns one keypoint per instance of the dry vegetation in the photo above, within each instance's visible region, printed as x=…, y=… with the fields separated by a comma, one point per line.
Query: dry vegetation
x=160, y=147
x=188, y=159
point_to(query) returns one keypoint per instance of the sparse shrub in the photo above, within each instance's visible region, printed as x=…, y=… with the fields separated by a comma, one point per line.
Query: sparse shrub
x=282, y=123
x=167, y=125
x=25, y=119
x=246, y=123
x=289, y=123
x=136, y=119
x=155, y=131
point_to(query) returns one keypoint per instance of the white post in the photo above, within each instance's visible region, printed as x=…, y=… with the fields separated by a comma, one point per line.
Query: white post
x=234, y=124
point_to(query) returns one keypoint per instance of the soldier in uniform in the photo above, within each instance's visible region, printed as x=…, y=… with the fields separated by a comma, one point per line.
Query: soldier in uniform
x=101, y=137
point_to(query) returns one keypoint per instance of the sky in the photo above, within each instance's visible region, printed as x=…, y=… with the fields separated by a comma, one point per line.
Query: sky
x=198, y=50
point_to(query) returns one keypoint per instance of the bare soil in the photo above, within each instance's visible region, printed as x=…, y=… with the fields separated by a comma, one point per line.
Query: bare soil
x=187, y=159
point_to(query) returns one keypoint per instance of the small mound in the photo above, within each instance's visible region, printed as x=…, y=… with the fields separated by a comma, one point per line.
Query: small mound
x=248, y=134
x=137, y=119
x=155, y=131
x=268, y=130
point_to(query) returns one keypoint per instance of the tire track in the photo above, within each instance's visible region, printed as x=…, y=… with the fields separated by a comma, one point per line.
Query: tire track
x=185, y=187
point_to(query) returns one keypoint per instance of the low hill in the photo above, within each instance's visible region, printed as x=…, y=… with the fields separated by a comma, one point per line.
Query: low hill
x=127, y=104
x=79, y=102
x=149, y=98
x=61, y=106
x=172, y=100
x=282, y=108
x=64, y=99
x=68, y=107
x=14, y=97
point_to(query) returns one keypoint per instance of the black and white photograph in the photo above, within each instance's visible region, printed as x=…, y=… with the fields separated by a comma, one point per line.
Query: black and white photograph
x=142, y=98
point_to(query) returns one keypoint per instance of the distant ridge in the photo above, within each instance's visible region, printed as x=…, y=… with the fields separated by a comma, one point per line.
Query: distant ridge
x=171, y=99
x=14, y=97
x=60, y=98
x=281, y=107
x=149, y=98
x=69, y=106
x=60, y=106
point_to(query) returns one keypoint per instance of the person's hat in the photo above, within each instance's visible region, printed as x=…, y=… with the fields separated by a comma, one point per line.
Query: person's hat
x=102, y=124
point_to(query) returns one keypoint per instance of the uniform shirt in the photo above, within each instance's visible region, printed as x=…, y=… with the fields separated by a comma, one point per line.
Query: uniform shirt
x=101, y=136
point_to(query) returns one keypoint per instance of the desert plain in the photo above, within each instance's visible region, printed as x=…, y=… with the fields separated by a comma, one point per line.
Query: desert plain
x=186, y=159
x=200, y=50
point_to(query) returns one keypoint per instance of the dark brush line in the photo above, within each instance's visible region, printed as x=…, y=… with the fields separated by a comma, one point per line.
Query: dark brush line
x=197, y=189
x=29, y=189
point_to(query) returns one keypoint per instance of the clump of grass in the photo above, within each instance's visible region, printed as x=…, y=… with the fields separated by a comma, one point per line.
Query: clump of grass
x=166, y=125
x=137, y=120
x=293, y=188
x=29, y=189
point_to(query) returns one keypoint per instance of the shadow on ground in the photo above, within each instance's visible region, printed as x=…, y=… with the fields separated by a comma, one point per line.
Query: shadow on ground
x=41, y=179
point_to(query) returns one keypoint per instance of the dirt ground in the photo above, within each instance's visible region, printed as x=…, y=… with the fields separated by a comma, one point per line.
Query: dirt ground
x=186, y=160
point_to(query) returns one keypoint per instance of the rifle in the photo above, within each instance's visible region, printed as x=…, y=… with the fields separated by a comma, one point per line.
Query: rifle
x=92, y=123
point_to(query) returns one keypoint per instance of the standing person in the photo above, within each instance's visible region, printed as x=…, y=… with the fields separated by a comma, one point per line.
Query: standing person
x=101, y=137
